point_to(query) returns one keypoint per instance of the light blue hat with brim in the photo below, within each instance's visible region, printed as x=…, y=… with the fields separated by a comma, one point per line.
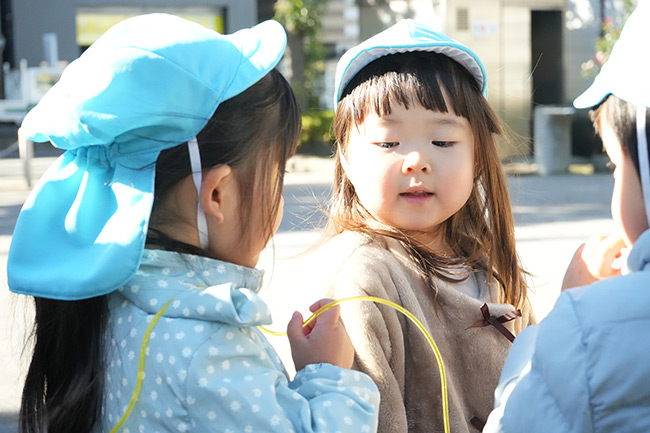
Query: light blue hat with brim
x=404, y=37
x=149, y=83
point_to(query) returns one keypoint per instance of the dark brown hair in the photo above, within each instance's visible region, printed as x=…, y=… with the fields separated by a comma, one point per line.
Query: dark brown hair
x=255, y=133
x=621, y=116
x=481, y=233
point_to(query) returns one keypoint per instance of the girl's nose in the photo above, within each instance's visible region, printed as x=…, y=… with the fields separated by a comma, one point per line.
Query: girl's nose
x=414, y=162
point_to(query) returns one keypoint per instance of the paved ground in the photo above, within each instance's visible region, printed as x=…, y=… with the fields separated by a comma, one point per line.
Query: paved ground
x=553, y=215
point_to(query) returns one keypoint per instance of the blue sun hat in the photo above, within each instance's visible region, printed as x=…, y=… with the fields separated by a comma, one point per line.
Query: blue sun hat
x=404, y=37
x=625, y=75
x=149, y=83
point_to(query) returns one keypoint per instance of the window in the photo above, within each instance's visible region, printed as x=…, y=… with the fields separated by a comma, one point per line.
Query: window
x=462, y=19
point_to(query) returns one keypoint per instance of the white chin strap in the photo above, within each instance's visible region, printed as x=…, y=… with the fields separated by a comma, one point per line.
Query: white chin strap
x=197, y=175
x=644, y=165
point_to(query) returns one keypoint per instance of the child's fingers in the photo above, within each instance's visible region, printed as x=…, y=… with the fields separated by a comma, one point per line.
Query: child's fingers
x=328, y=317
x=600, y=252
x=577, y=273
x=323, y=340
x=308, y=327
x=295, y=331
x=320, y=303
x=604, y=245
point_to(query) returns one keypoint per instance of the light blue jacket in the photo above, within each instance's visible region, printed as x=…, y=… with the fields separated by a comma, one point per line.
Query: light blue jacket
x=586, y=366
x=207, y=367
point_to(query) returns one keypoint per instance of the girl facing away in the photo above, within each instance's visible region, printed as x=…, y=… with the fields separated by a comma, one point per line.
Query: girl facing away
x=585, y=367
x=138, y=245
x=421, y=217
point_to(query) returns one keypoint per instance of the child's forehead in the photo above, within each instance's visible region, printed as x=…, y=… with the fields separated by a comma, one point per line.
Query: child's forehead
x=399, y=112
x=403, y=119
x=409, y=92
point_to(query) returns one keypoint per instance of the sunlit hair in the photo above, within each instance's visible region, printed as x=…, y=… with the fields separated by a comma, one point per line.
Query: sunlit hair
x=255, y=133
x=481, y=233
x=621, y=117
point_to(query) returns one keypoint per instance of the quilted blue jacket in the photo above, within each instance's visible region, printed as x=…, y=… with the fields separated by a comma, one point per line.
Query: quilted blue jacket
x=207, y=367
x=586, y=366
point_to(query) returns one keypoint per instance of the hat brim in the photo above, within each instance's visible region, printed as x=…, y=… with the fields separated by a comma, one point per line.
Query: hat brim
x=593, y=96
x=468, y=60
x=404, y=37
x=263, y=47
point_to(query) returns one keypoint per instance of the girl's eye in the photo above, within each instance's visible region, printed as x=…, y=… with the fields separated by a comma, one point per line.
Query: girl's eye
x=386, y=144
x=442, y=143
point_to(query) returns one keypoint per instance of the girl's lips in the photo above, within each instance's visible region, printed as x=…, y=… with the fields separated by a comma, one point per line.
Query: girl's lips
x=416, y=193
x=416, y=197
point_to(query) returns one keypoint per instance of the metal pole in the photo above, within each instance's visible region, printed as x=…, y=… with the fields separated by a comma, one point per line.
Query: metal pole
x=602, y=18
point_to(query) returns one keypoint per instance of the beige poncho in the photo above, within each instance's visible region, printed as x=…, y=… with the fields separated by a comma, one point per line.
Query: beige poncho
x=393, y=351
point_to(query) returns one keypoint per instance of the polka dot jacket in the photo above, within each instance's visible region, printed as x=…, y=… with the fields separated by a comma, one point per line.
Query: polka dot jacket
x=207, y=366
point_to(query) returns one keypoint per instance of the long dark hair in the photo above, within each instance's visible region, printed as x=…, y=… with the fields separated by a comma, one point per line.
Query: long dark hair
x=65, y=381
x=255, y=132
x=481, y=233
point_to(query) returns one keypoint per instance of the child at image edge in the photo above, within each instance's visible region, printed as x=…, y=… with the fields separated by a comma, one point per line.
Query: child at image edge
x=585, y=368
x=421, y=217
x=138, y=244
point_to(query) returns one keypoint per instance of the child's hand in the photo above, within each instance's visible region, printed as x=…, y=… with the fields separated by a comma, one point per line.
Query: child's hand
x=594, y=260
x=324, y=339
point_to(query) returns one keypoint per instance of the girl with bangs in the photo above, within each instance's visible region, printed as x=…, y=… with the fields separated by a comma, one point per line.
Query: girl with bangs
x=421, y=217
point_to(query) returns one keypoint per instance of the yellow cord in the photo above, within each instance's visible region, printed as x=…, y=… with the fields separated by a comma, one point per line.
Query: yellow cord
x=407, y=313
x=138, y=383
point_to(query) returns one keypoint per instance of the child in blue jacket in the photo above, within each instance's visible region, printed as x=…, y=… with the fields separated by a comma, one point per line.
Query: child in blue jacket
x=585, y=367
x=139, y=244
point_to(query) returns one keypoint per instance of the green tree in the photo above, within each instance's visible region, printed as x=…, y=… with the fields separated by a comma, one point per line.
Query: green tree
x=603, y=47
x=302, y=20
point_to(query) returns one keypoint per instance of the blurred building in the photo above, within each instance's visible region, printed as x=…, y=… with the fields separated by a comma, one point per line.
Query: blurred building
x=532, y=49
x=77, y=23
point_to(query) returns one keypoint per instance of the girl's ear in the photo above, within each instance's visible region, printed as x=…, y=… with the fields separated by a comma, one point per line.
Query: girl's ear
x=217, y=192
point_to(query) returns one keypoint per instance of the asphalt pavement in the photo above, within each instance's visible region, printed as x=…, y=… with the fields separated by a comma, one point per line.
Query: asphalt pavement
x=553, y=215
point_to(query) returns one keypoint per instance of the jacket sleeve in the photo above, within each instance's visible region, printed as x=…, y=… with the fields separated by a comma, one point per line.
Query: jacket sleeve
x=233, y=385
x=543, y=385
x=377, y=333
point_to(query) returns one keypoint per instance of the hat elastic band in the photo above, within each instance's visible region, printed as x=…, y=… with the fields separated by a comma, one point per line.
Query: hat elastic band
x=644, y=164
x=197, y=175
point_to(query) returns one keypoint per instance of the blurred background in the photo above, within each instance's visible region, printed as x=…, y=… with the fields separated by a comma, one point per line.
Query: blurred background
x=539, y=56
x=537, y=53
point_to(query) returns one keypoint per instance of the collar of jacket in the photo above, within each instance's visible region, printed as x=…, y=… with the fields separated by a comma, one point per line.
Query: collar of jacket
x=639, y=258
x=201, y=288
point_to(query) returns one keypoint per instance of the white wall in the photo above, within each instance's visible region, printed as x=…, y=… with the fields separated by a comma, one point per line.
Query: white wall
x=499, y=32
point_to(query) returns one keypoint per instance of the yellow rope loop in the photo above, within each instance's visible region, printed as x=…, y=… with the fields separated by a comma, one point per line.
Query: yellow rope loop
x=420, y=326
x=436, y=351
